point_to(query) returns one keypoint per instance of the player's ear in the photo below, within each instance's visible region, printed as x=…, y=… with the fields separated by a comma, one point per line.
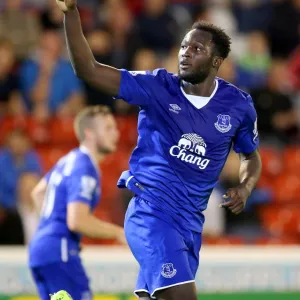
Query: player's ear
x=217, y=61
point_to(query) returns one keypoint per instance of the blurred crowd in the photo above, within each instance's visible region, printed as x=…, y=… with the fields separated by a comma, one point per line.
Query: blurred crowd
x=40, y=95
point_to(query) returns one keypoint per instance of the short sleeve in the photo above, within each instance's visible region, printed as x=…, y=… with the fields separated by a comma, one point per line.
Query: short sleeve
x=246, y=139
x=140, y=87
x=81, y=186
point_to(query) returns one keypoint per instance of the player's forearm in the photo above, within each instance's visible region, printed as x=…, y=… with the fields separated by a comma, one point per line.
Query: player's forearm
x=38, y=203
x=100, y=76
x=38, y=194
x=94, y=228
x=250, y=170
x=80, y=53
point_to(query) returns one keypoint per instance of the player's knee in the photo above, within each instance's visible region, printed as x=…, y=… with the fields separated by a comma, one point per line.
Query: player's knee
x=143, y=296
x=179, y=292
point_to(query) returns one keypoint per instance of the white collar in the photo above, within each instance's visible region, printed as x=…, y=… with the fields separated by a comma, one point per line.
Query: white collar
x=199, y=101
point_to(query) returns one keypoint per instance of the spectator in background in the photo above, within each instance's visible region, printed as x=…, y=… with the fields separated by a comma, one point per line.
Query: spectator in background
x=284, y=33
x=157, y=28
x=228, y=71
x=135, y=6
x=219, y=13
x=10, y=99
x=278, y=121
x=125, y=40
x=49, y=85
x=144, y=59
x=116, y=18
x=52, y=17
x=104, y=10
x=39, y=4
x=170, y=63
x=16, y=159
x=253, y=65
x=294, y=72
x=294, y=69
x=100, y=42
x=252, y=15
x=20, y=26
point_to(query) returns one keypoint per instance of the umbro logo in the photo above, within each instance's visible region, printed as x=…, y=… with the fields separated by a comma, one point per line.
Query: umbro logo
x=174, y=108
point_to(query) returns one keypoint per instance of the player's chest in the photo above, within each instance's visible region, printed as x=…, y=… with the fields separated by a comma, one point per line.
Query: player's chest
x=214, y=122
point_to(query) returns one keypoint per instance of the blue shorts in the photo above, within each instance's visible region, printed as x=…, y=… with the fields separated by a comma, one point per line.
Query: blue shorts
x=167, y=255
x=69, y=276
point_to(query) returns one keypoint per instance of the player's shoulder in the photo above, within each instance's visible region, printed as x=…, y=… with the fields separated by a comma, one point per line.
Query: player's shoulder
x=81, y=159
x=163, y=73
x=75, y=162
x=159, y=73
x=169, y=80
x=237, y=95
x=84, y=162
x=157, y=76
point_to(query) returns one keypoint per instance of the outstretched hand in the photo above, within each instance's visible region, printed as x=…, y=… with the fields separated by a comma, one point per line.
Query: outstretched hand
x=238, y=197
x=66, y=5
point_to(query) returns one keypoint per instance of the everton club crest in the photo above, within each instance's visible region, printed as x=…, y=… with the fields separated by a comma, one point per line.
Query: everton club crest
x=223, y=123
x=168, y=270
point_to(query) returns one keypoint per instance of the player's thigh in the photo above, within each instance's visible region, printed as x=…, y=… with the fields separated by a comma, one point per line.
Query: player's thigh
x=41, y=284
x=147, y=234
x=160, y=250
x=143, y=296
x=69, y=276
x=185, y=291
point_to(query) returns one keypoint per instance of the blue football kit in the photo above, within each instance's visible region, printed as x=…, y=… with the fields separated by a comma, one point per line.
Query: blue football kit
x=183, y=144
x=54, y=250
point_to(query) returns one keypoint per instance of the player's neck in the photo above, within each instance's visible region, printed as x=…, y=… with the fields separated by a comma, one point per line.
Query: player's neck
x=203, y=89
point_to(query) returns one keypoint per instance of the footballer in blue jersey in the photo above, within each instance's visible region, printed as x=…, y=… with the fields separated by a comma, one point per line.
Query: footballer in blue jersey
x=188, y=123
x=69, y=194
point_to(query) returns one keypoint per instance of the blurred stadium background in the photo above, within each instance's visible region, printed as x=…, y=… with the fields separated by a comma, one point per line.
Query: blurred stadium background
x=256, y=254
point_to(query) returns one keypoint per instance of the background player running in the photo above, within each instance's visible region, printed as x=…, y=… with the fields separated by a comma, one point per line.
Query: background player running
x=69, y=193
x=187, y=126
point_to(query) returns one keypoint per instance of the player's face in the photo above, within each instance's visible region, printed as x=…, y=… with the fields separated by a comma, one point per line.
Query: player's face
x=106, y=133
x=195, y=56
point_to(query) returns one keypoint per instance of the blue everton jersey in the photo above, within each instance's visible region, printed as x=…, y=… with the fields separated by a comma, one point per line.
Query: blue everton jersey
x=75, y=178
x=184, y=141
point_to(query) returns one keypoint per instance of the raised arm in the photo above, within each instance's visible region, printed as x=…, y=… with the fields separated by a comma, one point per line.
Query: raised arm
x=103, y=77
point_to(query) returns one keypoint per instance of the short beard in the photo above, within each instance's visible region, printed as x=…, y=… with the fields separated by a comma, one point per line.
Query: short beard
x=104, y=151
x=194, y=78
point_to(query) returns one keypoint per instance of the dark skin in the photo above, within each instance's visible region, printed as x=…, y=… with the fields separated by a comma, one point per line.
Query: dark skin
x=198, y=67
x=198, y=63
x=250, y=170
